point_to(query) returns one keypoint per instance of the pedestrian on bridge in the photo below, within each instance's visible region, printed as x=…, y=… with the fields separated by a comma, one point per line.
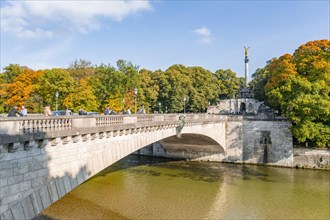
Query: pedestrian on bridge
x=13, y=112
x=106, y=111
x=47, y=111
x=23, y=111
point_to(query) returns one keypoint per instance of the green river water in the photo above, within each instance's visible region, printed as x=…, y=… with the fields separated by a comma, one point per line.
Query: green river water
x=139, y=187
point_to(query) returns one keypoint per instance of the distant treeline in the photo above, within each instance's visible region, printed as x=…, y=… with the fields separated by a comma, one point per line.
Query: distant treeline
x=83, y=85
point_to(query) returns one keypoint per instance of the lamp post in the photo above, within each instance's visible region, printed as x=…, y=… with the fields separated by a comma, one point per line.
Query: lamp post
x=56, y=97
x=135, y=93
x=159, y=105
x=165, y=109
x=123, y=104
x=184, y=104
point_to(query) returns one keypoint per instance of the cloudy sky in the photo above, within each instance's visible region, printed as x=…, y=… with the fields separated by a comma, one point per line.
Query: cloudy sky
x=157, y=34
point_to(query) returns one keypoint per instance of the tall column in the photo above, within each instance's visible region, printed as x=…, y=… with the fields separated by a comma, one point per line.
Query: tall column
x=246, y=60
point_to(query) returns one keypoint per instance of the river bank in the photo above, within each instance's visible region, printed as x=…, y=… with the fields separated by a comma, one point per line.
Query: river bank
x=311, y=158
x=306, y=158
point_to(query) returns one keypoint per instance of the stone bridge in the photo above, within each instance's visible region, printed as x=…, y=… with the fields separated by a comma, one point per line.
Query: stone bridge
x=43, y=158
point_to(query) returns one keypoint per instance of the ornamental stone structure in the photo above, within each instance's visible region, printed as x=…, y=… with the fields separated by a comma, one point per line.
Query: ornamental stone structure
x=44, y=158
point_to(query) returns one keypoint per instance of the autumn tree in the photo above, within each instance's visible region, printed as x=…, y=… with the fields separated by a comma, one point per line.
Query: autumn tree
x=299, y=85
x=10, y=73
x=18, y=92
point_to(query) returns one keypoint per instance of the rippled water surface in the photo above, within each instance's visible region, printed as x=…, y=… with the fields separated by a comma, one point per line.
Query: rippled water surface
x=146, y=188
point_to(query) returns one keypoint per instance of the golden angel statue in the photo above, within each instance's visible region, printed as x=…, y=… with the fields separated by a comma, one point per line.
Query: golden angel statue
x=246, y=51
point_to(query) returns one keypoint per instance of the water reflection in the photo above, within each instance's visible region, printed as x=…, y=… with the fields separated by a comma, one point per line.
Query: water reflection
x=147, y=188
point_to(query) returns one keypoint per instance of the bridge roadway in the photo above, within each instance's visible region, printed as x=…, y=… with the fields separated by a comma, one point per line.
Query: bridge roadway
x=43, y=158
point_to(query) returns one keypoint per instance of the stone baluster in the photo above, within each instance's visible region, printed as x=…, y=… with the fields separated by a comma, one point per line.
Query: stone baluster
x=22, y=126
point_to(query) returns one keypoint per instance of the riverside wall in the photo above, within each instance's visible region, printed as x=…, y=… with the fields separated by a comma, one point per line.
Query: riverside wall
x=311, y=158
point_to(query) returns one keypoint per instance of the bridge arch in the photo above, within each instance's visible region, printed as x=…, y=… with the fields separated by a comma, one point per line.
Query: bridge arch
x=135, y=142
x=188, y=146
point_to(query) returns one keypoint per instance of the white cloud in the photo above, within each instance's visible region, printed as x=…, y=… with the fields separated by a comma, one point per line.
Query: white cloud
x=43, y=18
x=204, y=34
x=203, y=31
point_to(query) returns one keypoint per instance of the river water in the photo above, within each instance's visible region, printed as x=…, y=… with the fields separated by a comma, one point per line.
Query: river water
x=139, y=187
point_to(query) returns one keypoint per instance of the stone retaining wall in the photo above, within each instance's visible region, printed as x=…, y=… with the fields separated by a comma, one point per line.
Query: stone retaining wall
x=311, y=158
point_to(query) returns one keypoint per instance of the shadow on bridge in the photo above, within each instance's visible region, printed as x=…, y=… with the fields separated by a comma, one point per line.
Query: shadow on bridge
x=32, y=177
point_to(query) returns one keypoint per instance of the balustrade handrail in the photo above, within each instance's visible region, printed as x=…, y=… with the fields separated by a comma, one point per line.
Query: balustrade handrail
x=39, y=125
x=19, y=125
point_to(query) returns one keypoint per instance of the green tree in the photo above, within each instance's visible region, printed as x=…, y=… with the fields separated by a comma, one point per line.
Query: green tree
x=106, y=83
x=174, y=85
x=259, y=81
x=111, y=85
x=81, y=69
x=83, y=99
x=203, y=88
x=56, y=80
x=148, y=89
x=11, y=72
x=228, y=83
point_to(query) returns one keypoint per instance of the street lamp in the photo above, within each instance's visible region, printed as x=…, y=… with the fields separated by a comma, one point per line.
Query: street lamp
x=56, y=96
x=184, y=104
x=159, y=104
x=135, y=93
x=123, y=104
x=166, y=109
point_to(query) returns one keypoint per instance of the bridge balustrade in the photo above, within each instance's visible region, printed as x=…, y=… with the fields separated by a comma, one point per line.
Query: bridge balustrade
x=41, y=129
x=23, y=125
x=42, y=125
x=109, y=120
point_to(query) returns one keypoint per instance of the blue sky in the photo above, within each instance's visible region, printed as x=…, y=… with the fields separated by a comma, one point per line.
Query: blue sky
x=157, y=34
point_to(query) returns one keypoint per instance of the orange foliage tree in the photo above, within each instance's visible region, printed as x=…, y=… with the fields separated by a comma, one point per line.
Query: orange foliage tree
x=17, y=92
x=299, y=86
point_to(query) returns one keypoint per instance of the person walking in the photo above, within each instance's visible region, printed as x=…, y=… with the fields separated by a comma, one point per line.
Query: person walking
x=23, y=111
